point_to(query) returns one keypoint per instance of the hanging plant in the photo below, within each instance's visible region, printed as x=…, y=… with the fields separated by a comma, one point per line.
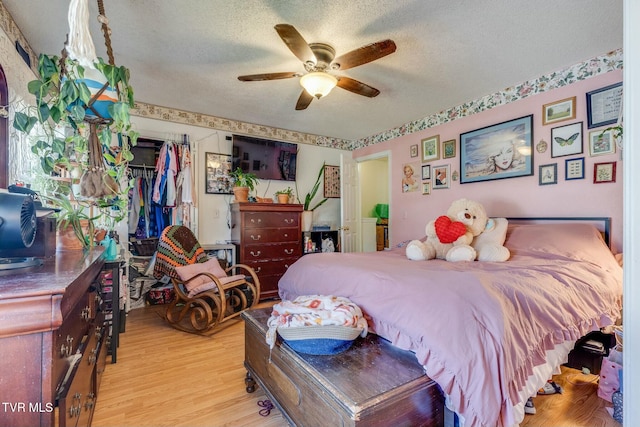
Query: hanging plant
x=77, y=112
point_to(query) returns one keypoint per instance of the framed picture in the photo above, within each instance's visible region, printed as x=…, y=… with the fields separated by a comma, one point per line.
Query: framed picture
x=414, y=150
x=558, y=111
x=441, y=176
x=410, y=182
x=331, y=182
x=601, y=142
x=566, y=140
x=449, y=149
x=217, y=168
x=603, y=105
x=430, y=148
x=548, y=174
x=426, y=172
x=426, y=187
x=503, y=150
x=574, y=169
x=604, y=172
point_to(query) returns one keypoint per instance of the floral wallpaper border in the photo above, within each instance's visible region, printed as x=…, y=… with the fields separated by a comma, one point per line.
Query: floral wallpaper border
x=600, y=65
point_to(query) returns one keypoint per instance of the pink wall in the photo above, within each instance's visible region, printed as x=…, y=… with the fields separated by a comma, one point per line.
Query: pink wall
x=522, y=196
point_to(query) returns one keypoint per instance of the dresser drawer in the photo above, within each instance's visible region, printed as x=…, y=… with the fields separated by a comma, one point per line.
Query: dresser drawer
x=264, y=267
x=271, y=219
x=271, y=235
x=257, y=252
x=68, y=337
x=76, y=396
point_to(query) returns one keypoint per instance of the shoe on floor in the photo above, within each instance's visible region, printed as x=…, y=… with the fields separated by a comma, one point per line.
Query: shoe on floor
x=550, y=388
x=529, y=408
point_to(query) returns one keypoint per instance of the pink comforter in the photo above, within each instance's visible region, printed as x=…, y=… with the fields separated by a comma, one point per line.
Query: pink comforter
x=478, y=328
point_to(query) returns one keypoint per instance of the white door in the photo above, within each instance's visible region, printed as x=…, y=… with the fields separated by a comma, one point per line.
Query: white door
x=349, y=198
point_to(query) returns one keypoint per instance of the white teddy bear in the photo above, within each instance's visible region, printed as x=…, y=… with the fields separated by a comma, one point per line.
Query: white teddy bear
x=460, y=236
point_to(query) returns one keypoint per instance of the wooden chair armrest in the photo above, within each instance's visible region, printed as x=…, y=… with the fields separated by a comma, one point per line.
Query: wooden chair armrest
x=245, y=269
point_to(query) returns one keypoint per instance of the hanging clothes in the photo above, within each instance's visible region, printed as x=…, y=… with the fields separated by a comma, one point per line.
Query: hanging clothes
x=164, y=195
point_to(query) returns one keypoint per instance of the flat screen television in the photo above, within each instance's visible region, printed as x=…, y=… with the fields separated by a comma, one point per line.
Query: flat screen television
x=265, y=158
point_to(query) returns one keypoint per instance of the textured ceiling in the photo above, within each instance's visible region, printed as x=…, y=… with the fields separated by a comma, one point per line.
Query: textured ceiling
x=188, y=54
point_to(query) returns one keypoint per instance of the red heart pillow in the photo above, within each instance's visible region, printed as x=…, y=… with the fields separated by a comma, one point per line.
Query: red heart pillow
x=449, y=231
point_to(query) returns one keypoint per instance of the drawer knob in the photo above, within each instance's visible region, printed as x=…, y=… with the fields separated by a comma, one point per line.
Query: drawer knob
x=257, y=269
x=288, y=251
x=256, y=254
x=67, y=347
x=289, y=220
x=65, y=351
x=258, y=237
x=256, y=220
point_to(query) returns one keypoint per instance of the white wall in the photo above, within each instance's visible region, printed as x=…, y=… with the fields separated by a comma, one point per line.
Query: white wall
x=212, y=221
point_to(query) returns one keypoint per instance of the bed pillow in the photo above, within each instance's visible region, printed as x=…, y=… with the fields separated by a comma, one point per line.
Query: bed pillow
x=188, y=271
x=578, y=241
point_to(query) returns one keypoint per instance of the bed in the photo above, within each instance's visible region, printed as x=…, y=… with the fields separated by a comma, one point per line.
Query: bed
x=489, y=334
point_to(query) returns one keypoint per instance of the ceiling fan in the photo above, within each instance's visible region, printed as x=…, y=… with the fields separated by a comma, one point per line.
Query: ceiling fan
x=318, y=59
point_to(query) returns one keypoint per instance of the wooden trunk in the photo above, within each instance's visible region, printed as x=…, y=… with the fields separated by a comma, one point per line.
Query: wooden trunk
x=373, y=383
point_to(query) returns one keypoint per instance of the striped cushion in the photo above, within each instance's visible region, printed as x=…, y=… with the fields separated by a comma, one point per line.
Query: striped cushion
x=177, y=246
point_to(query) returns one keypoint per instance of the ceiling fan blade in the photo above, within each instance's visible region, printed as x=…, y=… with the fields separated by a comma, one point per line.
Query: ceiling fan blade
x=304, y=100
x=296, y=43
x=267, y=76
x=357, y=87
x=365, y=54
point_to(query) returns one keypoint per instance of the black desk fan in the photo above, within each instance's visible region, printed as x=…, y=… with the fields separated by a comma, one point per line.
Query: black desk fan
x=17, y=226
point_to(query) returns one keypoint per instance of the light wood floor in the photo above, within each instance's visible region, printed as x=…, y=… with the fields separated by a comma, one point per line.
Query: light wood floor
x=164, y=377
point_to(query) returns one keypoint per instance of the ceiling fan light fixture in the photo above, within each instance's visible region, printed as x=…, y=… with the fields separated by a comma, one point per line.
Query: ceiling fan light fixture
x=318, y=83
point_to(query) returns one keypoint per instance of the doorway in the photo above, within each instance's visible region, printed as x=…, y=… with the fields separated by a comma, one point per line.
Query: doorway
x=374, y=196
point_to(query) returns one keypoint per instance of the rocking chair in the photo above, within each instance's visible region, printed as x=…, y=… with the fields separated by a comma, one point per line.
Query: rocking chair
x=205, y=293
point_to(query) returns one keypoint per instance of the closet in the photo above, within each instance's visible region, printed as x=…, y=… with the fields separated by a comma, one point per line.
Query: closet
x=162, y=195
x=163, y=188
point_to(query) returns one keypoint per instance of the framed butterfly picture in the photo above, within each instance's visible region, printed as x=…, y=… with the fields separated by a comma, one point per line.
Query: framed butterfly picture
x=566, y=140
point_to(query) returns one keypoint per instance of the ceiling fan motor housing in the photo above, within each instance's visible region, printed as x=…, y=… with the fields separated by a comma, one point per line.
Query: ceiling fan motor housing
x=324, y=55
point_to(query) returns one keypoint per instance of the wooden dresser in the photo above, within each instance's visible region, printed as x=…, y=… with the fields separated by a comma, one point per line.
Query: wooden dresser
x=268, y=237
x=51, y=340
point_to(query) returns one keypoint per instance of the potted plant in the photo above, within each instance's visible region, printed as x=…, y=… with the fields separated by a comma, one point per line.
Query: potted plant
x=72, y=132
x=284, y=196
x=243, y=182
x=307, y=208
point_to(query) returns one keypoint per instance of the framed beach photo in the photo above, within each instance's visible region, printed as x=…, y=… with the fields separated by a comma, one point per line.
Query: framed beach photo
x=558, y=111
x=574, y=169
x=601, y=142
x=548, y=174
x=426, y=172
x=566, y=140
x=431, y=148
x=503, y=150
x=603, y=106
x=441, y=176
x=604, y=172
